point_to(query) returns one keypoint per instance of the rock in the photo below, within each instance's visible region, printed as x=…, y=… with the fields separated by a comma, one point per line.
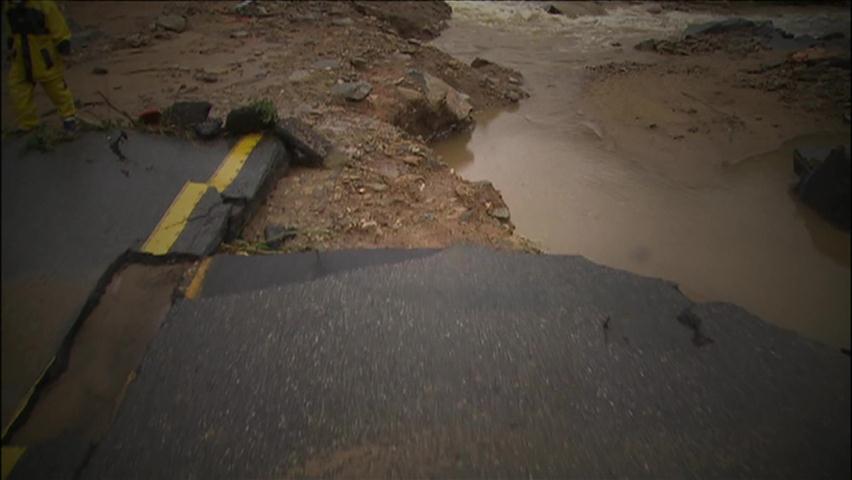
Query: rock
x=150, y=116
x=173, y=23
x=376, y=187
x=307, y=146
x=250, y=119
x=276, y=235
x=187, y=114
x=342, y=22
x=99, y=71
x=240, y=34
x=206, y=77
x=654, y=10
x=553, y=10
x=480, y=62
x=326, y=64
x=439, y=92
x=250, y=8
x=358, y=62
x=209, y=129
x=824, y=181
x=409, y=94
x=500, y=213
x=615, y=44
x=724, y=26
x=352, y=91
x=299, y=76
x=305, y=17
x=136, y=40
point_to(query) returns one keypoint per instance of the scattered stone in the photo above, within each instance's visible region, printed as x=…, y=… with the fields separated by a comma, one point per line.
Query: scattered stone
x=173, y=23
x=553, y=10
x=240, y=34
x=652, y=126
x=99, y=71
x=409, y=94
x=252, y=118
x=150, y=116
x=513, y=96
x=326, y=64
x=352, y=91
x=414, y=41
x=187, y=114
x=824, y=181
x=304, y=17
x=480, y=62
x=654, y=10
x=412, y=160
x=342, y=22
x=206, y=77
x=514, y=80
x=307, y=146
x=209, y=129
x=250, y=8
x=500, y=213
x=693, y=130
x=299, y=76
x=358, y=62
x=137, y=40
x=277, y=235
x=376, y=187
x=615, y=44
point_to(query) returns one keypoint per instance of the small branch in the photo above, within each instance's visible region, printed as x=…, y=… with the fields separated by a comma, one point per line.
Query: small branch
x=110, y=105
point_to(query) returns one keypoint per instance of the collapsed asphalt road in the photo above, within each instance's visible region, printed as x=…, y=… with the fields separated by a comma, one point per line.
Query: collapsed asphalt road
x=473, y=363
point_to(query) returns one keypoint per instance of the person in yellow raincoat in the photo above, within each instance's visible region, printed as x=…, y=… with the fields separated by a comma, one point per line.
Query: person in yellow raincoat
x=38, y=38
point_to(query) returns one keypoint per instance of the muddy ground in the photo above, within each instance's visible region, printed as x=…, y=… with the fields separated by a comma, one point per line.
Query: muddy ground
x=383, y=187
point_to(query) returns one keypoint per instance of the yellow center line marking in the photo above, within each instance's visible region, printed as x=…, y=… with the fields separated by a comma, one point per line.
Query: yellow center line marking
x=174, y=220
x=10, y=456
x=26, y=399
x=197, y=282
x=233, y=163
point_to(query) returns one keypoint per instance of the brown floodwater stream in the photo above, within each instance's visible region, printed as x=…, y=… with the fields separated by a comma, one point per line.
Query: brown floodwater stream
x=730, y=232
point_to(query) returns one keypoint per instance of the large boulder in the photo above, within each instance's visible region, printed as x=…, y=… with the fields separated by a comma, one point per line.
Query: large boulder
x=440, y=94
x=824, y=181
x=433, y=109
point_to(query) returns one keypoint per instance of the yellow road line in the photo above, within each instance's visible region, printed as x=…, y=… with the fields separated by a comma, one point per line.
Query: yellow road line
x=10, y=456
x=233, y=163
x=23, y=403
x=195, y=285
x=174, y=221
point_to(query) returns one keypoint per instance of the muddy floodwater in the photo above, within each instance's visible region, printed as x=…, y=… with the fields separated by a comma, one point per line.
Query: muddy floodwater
x=723, y=230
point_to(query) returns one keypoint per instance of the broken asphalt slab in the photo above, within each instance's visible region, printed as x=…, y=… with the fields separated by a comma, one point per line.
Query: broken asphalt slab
x=436, y=366
x=70, y=214
x=232, y=274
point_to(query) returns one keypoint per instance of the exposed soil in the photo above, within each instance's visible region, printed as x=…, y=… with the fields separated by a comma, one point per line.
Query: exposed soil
x=292, y=53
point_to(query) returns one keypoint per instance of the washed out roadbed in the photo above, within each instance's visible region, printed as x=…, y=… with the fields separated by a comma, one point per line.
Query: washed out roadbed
x=360, y=74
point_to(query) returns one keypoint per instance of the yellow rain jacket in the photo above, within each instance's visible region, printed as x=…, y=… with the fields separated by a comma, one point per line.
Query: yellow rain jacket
x=38, y=37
